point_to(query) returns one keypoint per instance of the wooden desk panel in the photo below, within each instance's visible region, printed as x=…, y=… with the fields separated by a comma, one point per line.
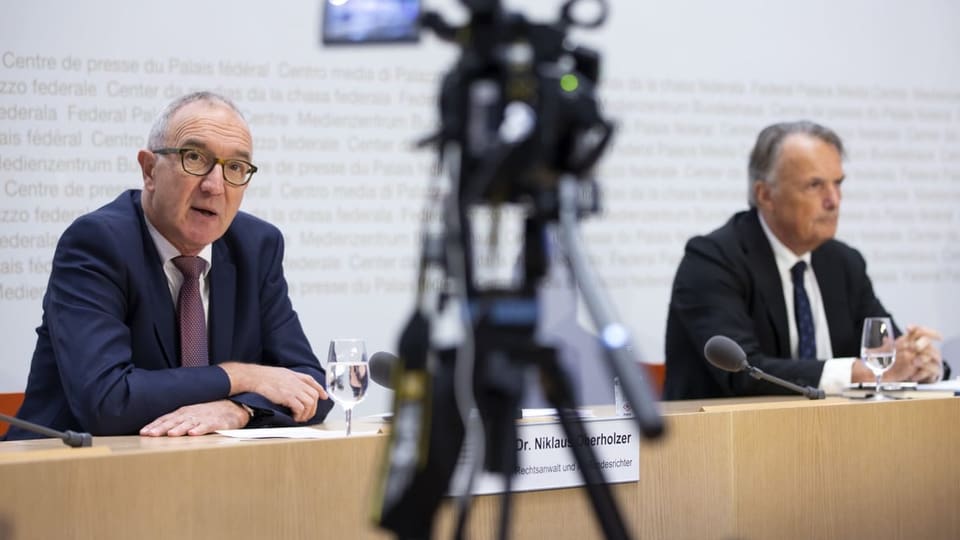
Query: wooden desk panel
x=745, y=469
x=801, y=469
x=686, y=481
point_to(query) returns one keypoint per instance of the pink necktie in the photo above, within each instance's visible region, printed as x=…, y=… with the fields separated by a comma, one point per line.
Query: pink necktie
x=193, y=326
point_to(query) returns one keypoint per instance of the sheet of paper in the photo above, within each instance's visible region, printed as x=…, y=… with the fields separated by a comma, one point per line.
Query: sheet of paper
x=292, y=433
x=533, y=413
x=949, y=385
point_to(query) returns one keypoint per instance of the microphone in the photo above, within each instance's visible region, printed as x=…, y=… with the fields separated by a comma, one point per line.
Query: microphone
x=725, y=354
x=69, y=438
x=381, y=368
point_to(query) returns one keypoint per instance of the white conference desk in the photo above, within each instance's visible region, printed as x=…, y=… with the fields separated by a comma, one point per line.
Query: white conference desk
x=763, y=468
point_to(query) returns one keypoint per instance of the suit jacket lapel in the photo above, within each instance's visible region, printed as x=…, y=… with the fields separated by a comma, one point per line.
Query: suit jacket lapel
x=223, y=286
x=763, y=265
x=832, y=295
x=158, y=289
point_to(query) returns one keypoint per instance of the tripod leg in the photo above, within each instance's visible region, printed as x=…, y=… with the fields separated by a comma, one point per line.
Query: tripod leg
x=558, y=391
x=646, y=412
x=505, y=507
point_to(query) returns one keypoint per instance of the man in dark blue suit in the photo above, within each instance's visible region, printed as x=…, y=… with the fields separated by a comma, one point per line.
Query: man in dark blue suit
x=108, y=358
x=744, y=281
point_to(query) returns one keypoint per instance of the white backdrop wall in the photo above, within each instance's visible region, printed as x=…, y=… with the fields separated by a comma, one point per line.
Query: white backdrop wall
x=690, y=83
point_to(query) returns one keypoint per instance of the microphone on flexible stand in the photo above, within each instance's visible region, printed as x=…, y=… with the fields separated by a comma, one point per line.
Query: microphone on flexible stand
x=69, y=438
x=725, y=354
x=382, y=365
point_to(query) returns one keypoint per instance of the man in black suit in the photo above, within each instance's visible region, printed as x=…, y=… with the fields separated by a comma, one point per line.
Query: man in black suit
x=738, y=281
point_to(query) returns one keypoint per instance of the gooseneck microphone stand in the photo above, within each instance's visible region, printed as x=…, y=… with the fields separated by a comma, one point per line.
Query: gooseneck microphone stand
x=69, y=438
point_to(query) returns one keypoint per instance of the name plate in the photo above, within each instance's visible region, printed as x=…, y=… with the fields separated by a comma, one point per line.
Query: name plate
x=545, y=461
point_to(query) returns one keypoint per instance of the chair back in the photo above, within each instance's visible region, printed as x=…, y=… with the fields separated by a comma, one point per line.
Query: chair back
x=9, y=405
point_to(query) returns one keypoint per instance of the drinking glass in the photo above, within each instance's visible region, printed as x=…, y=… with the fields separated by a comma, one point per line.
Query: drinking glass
x=347, y=374
x=878, y=349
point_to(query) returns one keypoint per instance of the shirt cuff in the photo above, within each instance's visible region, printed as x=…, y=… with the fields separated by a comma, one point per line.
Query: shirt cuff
x=837, y=375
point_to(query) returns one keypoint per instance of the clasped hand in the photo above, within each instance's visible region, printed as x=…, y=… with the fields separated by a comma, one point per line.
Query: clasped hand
x=917, y=358
x=297, y=391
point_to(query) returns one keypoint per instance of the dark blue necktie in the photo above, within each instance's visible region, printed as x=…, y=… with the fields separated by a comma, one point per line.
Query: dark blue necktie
x=807, y=343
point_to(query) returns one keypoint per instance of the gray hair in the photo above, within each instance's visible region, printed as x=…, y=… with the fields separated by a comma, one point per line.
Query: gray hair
x=158, y=133
x=766, y=151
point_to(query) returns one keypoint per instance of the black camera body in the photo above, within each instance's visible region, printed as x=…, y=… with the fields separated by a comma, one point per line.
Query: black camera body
x=521, y=103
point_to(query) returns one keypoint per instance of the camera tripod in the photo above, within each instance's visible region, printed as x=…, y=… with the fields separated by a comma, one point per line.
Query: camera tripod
x=520, y=125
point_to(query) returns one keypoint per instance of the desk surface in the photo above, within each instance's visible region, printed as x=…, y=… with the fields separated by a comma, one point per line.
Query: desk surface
x=746, y=468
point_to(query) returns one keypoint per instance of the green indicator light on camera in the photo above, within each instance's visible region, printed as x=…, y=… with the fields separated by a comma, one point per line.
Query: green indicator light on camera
x=569, y=82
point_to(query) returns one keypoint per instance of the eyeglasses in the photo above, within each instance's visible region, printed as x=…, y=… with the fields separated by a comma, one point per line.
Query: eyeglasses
x=235, y=171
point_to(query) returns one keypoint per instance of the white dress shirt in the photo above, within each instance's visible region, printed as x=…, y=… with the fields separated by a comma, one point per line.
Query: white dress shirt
x=836, y=371
x=174, y=277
